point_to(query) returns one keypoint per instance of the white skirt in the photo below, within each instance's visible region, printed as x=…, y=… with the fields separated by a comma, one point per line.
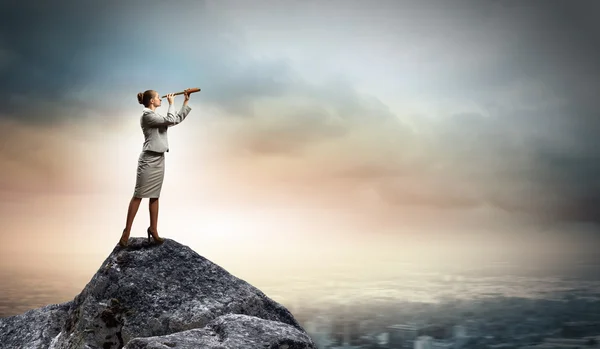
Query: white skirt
x=150, y=175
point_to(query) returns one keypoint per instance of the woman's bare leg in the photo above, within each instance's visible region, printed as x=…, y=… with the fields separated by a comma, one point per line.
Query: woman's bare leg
x=134, y=204
x=153, y=207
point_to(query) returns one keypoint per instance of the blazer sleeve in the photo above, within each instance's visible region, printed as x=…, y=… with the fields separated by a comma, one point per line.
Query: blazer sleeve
x=172, y=118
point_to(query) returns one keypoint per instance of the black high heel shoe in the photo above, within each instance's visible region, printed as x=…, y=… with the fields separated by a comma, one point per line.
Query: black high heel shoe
x=121, y=242
x=157, y=239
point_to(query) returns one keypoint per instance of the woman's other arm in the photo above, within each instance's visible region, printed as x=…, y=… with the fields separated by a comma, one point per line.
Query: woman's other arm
x=172, y=118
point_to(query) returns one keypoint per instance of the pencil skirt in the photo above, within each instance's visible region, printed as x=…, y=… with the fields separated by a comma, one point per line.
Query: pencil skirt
x=150, y=175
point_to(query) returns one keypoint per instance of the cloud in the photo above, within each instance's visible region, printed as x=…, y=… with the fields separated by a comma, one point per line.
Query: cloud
x=518, y=131
x=7, y=57
x=36, y=160
x=509, y=158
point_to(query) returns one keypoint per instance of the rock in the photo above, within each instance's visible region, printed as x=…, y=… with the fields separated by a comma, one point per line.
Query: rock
x=232, y=331
x=34, y=329
x=155, y=291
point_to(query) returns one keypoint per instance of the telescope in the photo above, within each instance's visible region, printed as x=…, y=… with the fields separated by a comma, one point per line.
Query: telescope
x=188, y=90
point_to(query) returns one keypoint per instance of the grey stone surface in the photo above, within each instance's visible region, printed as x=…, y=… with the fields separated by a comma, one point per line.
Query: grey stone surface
x=33, y=329
x=147, y=290
x=231, y=331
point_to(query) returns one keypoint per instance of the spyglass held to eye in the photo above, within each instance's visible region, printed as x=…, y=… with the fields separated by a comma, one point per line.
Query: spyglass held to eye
x=187, y=90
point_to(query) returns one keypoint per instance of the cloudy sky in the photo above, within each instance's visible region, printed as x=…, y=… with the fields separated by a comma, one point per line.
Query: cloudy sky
x=325, y=130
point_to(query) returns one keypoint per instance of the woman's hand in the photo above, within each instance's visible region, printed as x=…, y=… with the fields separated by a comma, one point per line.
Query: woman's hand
x=170, y=98
x=187, y=97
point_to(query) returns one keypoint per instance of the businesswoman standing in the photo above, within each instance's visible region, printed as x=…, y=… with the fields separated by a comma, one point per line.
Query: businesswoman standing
x=151, y=162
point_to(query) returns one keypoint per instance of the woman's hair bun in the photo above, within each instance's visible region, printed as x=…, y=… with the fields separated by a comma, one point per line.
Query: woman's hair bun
x=140, y=97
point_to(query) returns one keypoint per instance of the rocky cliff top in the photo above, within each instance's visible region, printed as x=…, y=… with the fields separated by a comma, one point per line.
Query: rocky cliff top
x=149, y=294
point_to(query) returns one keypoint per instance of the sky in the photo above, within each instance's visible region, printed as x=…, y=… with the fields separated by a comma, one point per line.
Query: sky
x=326, y=132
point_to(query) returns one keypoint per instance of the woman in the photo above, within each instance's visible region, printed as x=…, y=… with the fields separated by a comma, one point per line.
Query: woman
x=151, y=162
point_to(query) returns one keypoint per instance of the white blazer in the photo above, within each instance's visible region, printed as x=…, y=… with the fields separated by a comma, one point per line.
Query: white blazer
x=155, y=127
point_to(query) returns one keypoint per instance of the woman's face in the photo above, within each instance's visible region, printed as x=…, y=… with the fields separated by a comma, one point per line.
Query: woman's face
x=156, y=101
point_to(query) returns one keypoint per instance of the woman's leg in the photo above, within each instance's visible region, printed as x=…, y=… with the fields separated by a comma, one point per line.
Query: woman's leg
x=134, y=204
x=153, y=207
